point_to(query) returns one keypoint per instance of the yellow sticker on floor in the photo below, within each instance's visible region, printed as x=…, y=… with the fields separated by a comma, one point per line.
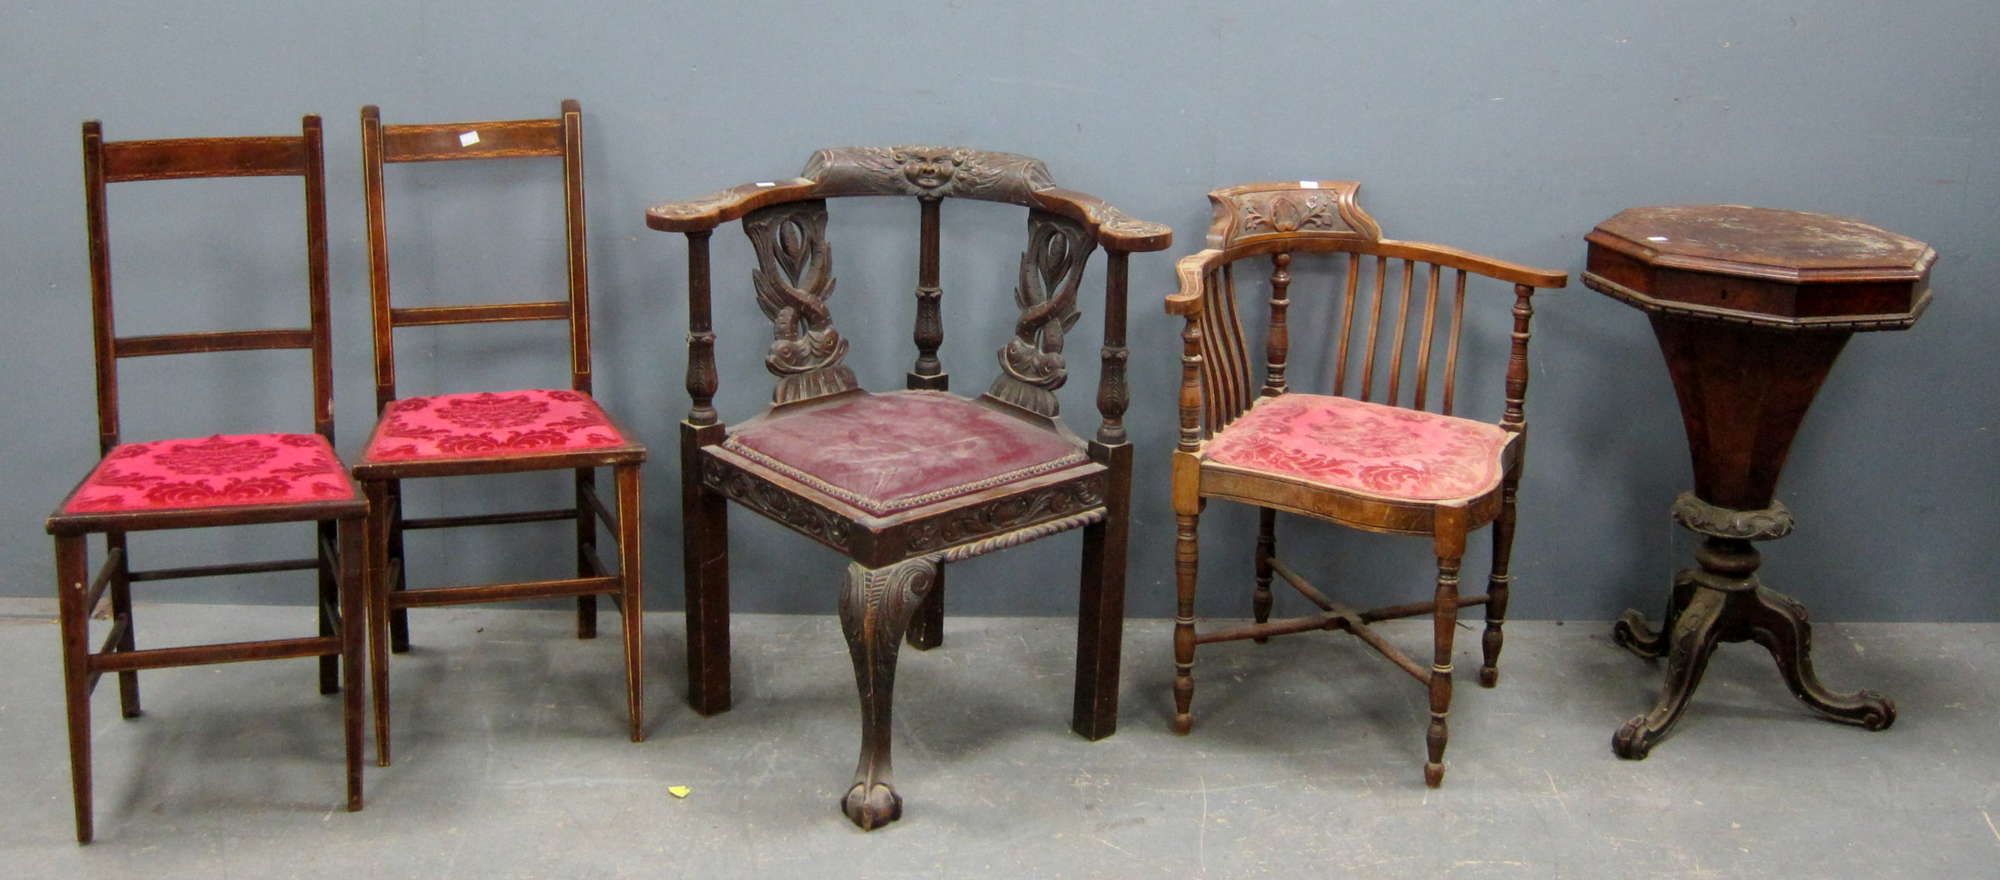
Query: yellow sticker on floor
x=679, y=791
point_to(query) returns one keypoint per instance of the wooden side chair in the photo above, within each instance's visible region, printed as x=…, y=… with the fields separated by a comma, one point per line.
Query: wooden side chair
x=218, y=480
x=494, y=432
x=1371, y=458
x=903, y=482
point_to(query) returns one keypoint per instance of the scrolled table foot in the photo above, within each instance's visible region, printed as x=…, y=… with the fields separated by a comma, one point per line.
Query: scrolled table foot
x=1693, y=641
x=1779, y=623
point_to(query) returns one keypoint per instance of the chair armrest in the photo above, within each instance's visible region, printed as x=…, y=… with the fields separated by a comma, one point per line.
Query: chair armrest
x=1193, y=272
x=715, y=209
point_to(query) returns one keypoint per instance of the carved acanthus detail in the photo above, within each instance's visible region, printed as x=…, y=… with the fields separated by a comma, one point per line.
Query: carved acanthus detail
x=1251, y=211
x=929, y=171
x=1751, y=525
x=1031, y=364
x=794, y=280
x=809, y=519
x=1005, y=515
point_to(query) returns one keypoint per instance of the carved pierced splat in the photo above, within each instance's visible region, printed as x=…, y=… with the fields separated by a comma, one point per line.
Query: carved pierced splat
x=794, y=279
x=1259, y=210
x=1031, y=364
x=930, y=171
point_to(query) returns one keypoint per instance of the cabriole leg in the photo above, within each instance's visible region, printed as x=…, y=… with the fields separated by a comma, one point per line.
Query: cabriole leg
x=1694, y=635
x=1778, y=622
x=875, y=609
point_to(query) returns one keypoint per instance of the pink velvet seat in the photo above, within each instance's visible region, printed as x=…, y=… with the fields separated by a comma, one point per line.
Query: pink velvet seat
x=899, y=450
x=486, y=424
x=225, y=470
x=1362, y=447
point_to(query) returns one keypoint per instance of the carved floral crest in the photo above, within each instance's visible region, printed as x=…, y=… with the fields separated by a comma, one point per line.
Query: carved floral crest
x=928, y=171
x=1251, y=211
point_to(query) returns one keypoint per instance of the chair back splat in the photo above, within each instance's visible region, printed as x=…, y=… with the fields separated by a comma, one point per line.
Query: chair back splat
x=957, y=477
x=1368, y=456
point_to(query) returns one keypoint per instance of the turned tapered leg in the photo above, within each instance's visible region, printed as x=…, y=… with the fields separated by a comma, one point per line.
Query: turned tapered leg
x=705, y=575
x=1497, y=584
x=1187, y=558
x=399, y=619
x=927, y=625
x=72, y=581
x=121, y=609
x=1693, y=640
x=1267, y=547
x=329, y=599
x=875, y=609
x=351, y=538
x=1778, y=622
x=632, y=598
x=375, y=589
x=586, y=541
x=1448, y=543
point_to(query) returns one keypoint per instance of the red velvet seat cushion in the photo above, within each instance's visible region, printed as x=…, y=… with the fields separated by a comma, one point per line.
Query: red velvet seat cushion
x=485, y=424
x=225, y=470
x=1361, y=447
x=903, y=449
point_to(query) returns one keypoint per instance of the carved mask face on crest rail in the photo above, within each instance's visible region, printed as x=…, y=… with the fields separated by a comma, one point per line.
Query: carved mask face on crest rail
x=930, y=168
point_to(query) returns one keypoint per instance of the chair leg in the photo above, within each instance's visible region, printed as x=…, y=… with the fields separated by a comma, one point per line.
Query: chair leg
x=875, y=609
x=351, y=537
x=1449, y=543
x=705, y=577
x=632, y=597
x=1496, y=585
x=72, y=580
x=375, y=588
x=399, y=620
x=1267, y=547
x=1100, y=620
x=121, y=609
x=329, y=596
x=586, y=540
x=927, y=626
x=1187, y=555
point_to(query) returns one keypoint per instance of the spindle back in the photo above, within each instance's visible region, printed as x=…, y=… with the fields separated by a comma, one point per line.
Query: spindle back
x=1322, y=218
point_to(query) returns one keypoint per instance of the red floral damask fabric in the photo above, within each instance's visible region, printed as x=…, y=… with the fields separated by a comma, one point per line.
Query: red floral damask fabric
x=484, y=424
x=1363, y=447
x=901, y=449
x=220, y=471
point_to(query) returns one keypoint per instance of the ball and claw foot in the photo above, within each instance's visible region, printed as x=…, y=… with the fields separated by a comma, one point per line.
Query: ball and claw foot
x=872, y=806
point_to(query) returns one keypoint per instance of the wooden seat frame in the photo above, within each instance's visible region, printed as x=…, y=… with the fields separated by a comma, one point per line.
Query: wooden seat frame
x=339, y=523
x=389, y=598
x=1279, y=220
x=895, y=583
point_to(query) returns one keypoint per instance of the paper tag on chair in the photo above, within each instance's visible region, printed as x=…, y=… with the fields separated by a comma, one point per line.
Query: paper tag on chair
x=468, y=139
x=1308, y=184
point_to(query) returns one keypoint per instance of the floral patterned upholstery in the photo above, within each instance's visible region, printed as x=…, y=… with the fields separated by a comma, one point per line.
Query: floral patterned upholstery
x=485, y=424
x=226, y=470
x=1361, y=447
x=903, y=449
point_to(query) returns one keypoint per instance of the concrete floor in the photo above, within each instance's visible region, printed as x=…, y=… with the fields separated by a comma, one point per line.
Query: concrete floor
x=511, y=760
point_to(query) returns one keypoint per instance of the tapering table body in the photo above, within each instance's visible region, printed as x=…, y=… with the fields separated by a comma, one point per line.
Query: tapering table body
x=1750, y=306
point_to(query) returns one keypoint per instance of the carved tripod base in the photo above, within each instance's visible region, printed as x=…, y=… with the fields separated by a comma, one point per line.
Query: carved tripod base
x=1724, y=602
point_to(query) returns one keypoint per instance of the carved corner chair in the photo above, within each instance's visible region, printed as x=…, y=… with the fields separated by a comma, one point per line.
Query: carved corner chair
x=903, y=482
x=1376, y=461
x=463, y=434
x=199, y=482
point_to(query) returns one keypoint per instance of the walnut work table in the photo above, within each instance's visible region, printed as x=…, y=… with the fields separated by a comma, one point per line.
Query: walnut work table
x=1751, y=306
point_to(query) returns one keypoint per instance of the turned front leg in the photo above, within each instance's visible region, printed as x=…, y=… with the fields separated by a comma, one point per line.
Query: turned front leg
x=875, y=610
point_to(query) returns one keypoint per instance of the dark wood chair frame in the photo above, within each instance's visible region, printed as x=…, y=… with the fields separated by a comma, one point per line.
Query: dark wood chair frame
x=1279, y=220
x=338, y=523
x=388, y=595
x=896, y=580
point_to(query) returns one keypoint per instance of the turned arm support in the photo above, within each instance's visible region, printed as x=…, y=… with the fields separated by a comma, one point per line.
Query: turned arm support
x=702, y=378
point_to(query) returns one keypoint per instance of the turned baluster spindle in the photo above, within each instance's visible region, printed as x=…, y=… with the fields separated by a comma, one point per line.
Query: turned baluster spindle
x=701, y=375
x=1190, y=400
x=1112, y=396
x=1424, y=337
x=1277, y=346
x=1514, y=419
x=1451, y=347
x=928, y=373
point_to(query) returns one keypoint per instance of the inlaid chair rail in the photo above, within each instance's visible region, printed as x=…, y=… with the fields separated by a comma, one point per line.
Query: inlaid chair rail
x=106, y=162
x=557, y=138
x=786, y=222
x=1280, y=220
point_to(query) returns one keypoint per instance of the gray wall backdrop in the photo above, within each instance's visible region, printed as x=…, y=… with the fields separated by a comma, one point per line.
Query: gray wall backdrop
x=1507, y=128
